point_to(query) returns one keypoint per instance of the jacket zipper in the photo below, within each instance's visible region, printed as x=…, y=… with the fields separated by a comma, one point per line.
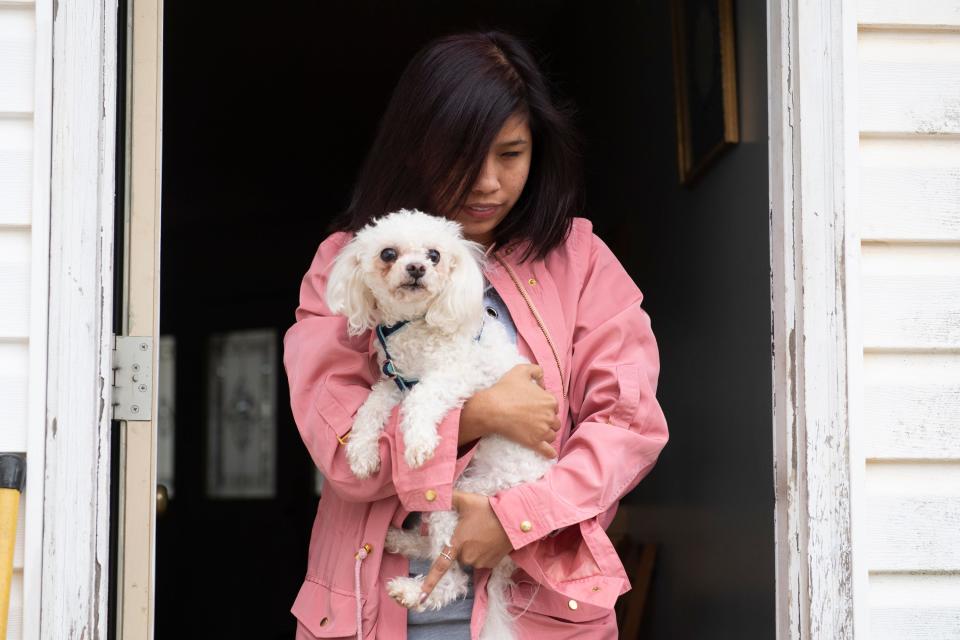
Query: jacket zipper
x=536, y=315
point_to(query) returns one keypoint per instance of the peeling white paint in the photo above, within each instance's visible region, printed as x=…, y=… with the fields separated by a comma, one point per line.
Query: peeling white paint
x=812, y=143
x=75, y=545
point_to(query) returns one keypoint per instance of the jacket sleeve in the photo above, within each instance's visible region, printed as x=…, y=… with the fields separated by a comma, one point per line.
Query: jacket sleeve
x=330, y=375
x=618, y=426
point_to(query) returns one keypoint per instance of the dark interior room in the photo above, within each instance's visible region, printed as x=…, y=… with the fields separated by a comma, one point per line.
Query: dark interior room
x=268, y=111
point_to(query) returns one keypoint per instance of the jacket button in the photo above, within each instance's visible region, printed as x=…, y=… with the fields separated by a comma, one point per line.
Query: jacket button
x=532, y=281
x=526, y=526
x=324, y=621
x=430, y=495
x=573, y=605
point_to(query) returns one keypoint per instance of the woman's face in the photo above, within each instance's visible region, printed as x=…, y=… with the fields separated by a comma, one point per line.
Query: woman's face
x=500, y=182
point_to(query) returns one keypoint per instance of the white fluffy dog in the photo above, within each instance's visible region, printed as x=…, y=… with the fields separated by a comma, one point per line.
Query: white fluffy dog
x=414, y=279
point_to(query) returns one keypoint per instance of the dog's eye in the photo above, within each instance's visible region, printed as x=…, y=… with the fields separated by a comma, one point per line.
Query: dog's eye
x=434, y=256
x=388, y=255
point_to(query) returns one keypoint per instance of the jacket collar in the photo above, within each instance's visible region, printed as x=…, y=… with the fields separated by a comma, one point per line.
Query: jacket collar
x=508, y=283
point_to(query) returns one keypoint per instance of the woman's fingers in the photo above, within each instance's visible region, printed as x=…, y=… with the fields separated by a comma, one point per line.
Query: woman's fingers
x=536, y=373
x=517, y=412
x=546, y=450
x=437, y=569
x=446, y=557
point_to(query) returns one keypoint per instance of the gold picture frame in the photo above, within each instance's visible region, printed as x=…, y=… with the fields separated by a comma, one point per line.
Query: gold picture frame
x=705, y=83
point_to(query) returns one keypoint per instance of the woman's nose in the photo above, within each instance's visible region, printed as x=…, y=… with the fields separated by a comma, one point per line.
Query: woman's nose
x=487, y=181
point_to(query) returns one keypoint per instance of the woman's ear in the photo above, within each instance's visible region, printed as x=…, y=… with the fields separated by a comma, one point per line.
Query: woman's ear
x=460, y=304
x=348, y=294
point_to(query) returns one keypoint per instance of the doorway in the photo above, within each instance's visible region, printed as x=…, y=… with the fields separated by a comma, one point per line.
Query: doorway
x=267, y=114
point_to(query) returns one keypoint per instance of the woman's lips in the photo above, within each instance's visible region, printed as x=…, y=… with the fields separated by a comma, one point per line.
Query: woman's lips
x=481, y=213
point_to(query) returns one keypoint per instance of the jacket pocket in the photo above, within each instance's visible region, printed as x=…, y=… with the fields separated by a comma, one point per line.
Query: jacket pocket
x=526, y=596
x=326, y=612
x=333, y=413
x=628, y=399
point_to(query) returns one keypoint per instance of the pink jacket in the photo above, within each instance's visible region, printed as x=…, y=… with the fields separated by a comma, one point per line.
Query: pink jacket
x=578, y=316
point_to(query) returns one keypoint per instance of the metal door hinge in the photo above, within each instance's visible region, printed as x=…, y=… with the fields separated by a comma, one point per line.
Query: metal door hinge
x=132, y=377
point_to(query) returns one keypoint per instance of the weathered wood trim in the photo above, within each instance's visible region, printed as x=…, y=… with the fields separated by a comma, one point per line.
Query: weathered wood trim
x=813, y=138
x=77, y=440
x=39, y=303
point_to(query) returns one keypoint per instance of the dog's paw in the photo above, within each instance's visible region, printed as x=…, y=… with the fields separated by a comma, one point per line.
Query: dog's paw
x=363, y=457
x=406, y=591
x=419, y=447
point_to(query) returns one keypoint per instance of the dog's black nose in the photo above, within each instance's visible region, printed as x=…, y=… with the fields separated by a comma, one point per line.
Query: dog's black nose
x=416, y=270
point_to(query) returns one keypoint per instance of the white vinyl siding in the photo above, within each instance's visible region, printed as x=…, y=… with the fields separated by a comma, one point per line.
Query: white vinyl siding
x=909, y=193
x=18, y=39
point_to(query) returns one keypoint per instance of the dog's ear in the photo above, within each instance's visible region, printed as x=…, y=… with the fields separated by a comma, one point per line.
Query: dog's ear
x=348, y=294
x=460, y=304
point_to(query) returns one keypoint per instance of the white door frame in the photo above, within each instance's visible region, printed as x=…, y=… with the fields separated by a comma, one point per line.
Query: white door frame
x=76, y=492
x=76, y=572
x=811, y=74
x=137, y=466
x=814, y=253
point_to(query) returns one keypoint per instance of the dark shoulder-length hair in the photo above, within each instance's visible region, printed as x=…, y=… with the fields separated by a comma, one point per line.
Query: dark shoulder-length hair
x=450, y=102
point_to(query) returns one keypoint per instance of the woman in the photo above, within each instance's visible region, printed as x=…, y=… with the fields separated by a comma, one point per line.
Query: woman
x=472, y=133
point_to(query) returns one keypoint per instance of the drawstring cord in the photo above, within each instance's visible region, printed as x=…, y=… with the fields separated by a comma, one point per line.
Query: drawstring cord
x=361, y=555
x=529, y=602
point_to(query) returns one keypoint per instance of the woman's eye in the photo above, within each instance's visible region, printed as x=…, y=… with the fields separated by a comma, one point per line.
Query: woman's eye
x=511, y=154
x=433, y=255
x=388, y=255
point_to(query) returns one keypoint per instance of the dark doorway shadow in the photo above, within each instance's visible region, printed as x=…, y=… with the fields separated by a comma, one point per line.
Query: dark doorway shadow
x=268, y=111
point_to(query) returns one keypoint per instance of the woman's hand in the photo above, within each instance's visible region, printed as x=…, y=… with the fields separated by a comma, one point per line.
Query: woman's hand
x=516, y=407
x=479, y=539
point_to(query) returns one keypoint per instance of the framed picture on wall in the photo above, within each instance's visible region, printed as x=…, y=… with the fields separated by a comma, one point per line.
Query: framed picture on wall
x=705, y=83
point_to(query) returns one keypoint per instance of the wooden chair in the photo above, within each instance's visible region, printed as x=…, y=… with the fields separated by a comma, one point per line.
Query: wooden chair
x=639, y=560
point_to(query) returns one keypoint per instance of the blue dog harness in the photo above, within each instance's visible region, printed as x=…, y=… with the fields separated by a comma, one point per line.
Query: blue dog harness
x=389, y=369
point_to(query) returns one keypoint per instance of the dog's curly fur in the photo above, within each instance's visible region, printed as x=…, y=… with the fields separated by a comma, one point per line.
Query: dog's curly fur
x=444, y=310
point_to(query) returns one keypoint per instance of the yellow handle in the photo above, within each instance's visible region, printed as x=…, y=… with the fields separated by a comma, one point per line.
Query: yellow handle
x=9, y=504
